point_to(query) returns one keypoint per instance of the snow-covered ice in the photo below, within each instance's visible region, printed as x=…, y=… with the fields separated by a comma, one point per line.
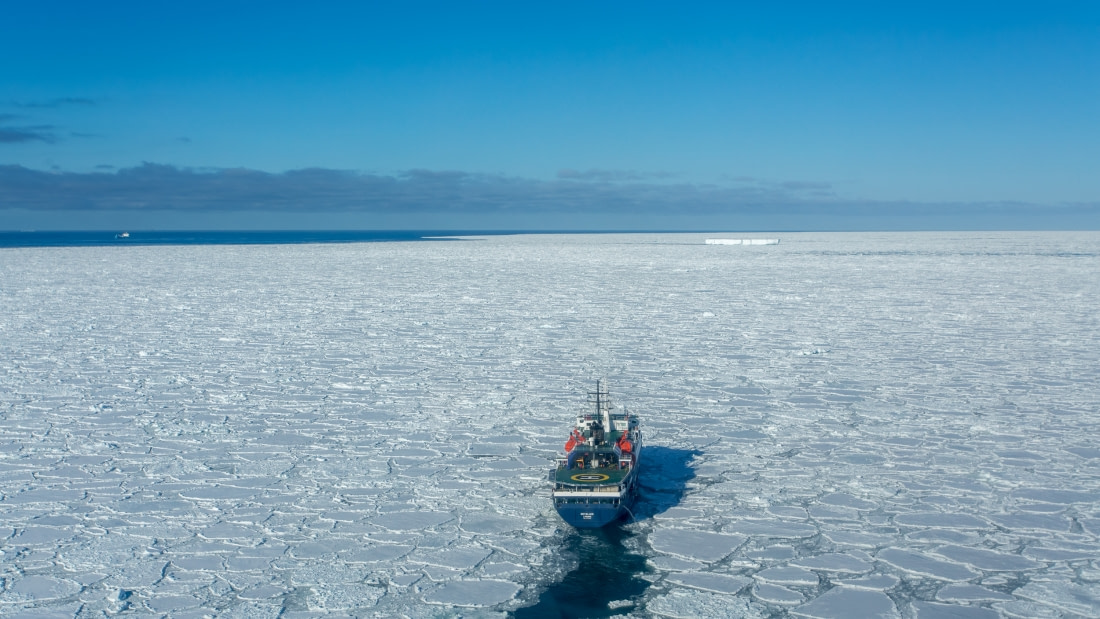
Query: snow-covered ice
x=894, y=424
x=742, y=241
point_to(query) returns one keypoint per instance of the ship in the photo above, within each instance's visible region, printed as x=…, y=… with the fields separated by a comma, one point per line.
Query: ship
x=596, y=482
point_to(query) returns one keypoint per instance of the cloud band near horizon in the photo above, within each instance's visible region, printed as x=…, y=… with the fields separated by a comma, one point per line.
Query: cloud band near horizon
x=159, y=187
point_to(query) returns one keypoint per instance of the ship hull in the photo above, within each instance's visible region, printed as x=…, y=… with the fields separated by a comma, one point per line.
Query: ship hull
x=591, y=516
x=595, y=509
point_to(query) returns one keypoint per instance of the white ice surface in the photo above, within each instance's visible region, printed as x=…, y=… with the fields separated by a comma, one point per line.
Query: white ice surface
x=843, y=602
x=901, y=424
x=742, y=241
x=701, y=545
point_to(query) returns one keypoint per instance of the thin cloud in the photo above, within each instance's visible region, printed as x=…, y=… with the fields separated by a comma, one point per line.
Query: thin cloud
x=610, y=176
x=54, y=103
x=17, y=135
x=39, y=133
x=805, y=185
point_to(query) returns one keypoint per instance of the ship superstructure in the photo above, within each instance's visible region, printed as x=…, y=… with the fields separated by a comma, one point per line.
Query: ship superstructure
x=596, y=482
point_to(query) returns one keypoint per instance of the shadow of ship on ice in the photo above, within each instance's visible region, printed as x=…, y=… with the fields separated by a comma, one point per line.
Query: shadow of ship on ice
x=663, y=476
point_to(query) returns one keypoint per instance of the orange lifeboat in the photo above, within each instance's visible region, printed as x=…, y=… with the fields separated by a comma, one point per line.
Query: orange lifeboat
x=575, y=439
x=624, y=444
x=570, y=444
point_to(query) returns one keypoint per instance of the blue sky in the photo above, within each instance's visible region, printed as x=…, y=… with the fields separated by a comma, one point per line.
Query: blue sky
x=556, y=115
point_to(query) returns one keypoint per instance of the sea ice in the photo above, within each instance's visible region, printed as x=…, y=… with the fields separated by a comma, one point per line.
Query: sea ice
x=932, y=610
x=775, y=594
x=858, y=539
x=459, y=558
x=689, y=604
x=310, y=430
x=842, y=499
x=411, y=521
x=1033, y=522
x=718, y=583
x=874, y=582
x=970, y=593
x=674, y=564
x=1023, y=609
x=922, y=565
x=843, y=602
x=698, y=545
x=770, y=528
x=1065, y=497
x=787, y=576
x=937, y=519
x=475, y=593
x=1066, y=596
x=38, y=588
x=987, y=560
x=832, y=562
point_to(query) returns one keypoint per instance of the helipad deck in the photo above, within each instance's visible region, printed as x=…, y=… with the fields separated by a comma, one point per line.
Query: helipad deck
x=602, y=476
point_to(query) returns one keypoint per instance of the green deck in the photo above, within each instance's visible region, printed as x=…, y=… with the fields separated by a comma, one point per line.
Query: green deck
x=589, y=475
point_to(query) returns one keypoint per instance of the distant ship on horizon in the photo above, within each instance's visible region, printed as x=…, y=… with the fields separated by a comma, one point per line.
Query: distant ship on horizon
x=122, y=235
x=596, y=482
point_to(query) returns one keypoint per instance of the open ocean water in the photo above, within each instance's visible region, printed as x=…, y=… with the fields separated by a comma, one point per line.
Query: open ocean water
x=861, y=424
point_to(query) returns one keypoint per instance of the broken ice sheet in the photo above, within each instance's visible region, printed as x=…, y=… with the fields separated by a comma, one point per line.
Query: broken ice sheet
x=691, y=604
x=38, y=588
x=474, y=593
x=845, y=602
x=360, y=409
x=718, y=583
x=787, y=575
x=926, y=566
x=832, y=562
x=969, y=593
x=776, y=594
x=698, y=545
x=988, y=560
x=932, y=610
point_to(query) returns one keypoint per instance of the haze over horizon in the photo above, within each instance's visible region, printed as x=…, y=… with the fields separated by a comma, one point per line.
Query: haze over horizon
x=621, y=116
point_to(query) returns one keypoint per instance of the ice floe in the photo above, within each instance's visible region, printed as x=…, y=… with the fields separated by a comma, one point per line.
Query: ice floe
x=718, y=583
x=874, y=582
x=988, y=560
x=845, y=602
x=970, y=593
x=776, y=594
x=932, y=610
x=689, y=604
x=700, y=545
x=834, y=562
x=788, y=576
x=924, y=565
x=484, y=592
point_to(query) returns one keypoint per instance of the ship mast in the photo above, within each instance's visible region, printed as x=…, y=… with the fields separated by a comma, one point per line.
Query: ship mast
x=603, y=406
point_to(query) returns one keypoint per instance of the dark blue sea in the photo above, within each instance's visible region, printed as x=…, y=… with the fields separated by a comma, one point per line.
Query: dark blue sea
x=223, y=237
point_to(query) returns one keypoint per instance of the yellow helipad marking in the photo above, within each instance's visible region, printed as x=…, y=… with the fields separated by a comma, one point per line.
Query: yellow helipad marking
x=591, y=477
